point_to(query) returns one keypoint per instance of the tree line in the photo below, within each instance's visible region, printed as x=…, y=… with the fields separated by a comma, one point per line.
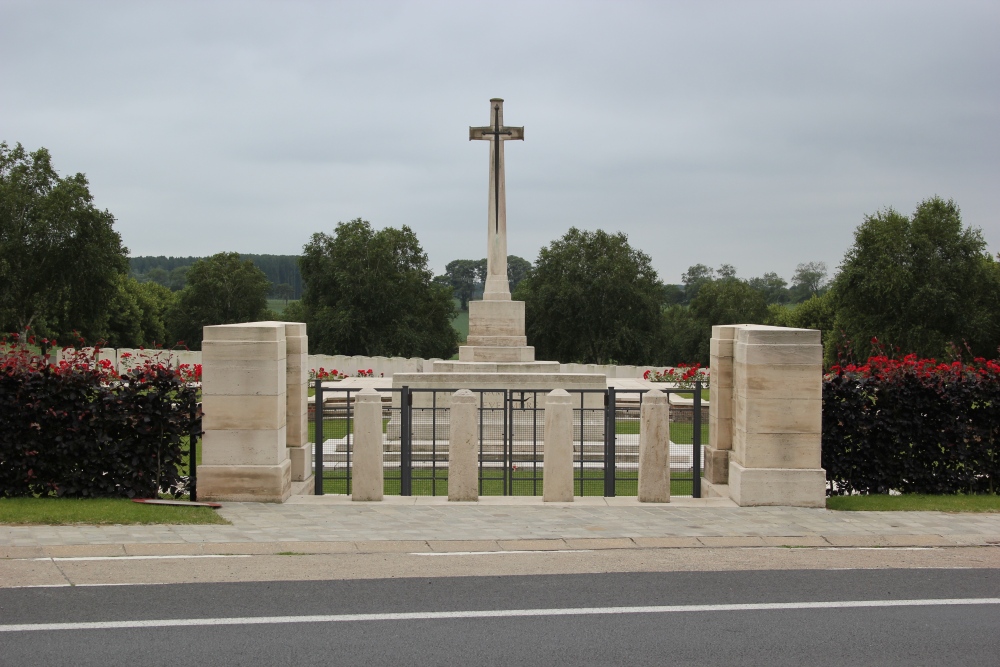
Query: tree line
x=921, y=283
x=281, y=270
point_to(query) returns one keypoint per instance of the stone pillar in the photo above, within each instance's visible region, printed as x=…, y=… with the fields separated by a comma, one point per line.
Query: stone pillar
x=368, y=482
x=777, y=417
x=557, y=480
x=463, y=459
x=244, y=457
x=297, y=407
x=720, y=407
x=654, y=448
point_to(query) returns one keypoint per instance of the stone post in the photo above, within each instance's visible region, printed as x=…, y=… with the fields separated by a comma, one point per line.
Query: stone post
x=368, y=482
x=463, y=462
x=654, y=448
x=297, y=407
x=244, y=457
x=720, y=409
x=777, y=417
x=557, y=481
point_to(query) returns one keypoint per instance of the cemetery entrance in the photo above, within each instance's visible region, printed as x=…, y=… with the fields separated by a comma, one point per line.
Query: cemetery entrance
x=416, y=425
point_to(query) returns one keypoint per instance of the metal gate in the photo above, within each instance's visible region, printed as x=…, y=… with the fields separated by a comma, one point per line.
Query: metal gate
x=416, y=426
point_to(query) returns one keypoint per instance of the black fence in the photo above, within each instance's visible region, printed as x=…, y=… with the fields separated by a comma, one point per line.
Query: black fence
x=416, y=427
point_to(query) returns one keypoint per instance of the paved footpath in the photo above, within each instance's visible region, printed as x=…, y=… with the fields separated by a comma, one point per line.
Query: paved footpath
x=333, y=524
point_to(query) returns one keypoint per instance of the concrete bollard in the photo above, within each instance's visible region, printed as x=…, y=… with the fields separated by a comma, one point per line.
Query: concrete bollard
x=463, y=462
x=557, y=483
x=654, y=448
x=368, y=482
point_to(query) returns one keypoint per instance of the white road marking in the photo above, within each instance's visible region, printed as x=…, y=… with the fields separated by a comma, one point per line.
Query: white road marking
x=490, y=613
x=877, y=548
x=72, y=558
x=494, y=553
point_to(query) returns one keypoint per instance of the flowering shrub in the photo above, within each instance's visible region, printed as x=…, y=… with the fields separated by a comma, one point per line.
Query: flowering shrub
x=683, y=375
x=912, y=425
x=79, y=428
x=325, y=375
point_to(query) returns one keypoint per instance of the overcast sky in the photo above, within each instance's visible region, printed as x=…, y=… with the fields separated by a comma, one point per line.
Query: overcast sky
x=753, y=133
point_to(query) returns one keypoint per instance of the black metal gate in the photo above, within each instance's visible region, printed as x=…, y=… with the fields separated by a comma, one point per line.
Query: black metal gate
x=416, y=425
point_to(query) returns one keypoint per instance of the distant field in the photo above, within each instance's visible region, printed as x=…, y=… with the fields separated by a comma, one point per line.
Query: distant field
x=278, y=305
x=461, y=324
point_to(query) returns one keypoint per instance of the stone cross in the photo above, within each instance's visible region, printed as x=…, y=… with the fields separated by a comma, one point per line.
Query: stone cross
x=497, y=288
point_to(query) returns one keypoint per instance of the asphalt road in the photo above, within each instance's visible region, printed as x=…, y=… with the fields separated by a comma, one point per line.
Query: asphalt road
x=649, y=618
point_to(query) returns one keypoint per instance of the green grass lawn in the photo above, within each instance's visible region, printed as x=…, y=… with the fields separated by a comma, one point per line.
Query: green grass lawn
x=914, y=503
x=679, y=432
x=99, y=511
x=690, y=394
x=278, y=305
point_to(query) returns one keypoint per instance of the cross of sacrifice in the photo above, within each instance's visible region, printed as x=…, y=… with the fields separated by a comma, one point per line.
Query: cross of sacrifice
x=496, y=256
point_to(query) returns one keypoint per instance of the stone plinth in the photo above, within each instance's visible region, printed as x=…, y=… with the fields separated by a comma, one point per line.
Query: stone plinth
x=496, y=333
x=463, y=448
x=777, y=406
x=542, y=382
x=296, y=407
x=654, y=448
x=368, y=476
x=244, y=450
x=557, y=479
x=496, y=367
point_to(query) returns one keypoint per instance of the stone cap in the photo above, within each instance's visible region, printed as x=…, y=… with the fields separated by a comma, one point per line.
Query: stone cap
x=264, y=332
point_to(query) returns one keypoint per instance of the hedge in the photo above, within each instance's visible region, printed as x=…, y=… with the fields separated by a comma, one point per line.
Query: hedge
x=79, y=429
x=912, y=425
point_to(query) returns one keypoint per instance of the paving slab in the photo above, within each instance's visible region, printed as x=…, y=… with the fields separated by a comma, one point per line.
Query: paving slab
x=335, y=524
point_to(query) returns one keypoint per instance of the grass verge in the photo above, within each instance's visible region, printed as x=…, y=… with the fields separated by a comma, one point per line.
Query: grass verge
x=99, y=511
x=915, y=503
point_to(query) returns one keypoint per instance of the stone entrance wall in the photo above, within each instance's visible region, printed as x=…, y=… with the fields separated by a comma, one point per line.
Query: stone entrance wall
x=765, y=416
x=254, y=404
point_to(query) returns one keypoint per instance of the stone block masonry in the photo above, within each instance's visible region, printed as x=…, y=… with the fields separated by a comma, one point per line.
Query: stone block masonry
x=463, y=446
x=244, y=400
x=766, y=416
x=654, y=449
x=368, y=483
x=296, y=406
x=557, y=480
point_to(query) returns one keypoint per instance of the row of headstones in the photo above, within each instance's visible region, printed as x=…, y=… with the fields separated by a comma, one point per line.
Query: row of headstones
x=125, y=358
x=463, y=448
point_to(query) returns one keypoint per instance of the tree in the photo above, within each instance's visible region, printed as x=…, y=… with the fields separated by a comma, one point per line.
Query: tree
x=730, y=301
x=592, y=298
x=221, y=289
x=726, y=271
x=517, y=270
x=920, y=283
x=60, y=258
x=772, y=286
x=283, y=291
x=461, y=274
x=370, y=292
x=694, y=278
x=808, y=281
x=139, y=314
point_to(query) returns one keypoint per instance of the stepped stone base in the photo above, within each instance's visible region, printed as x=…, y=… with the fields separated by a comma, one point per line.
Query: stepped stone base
x=480, y=367
x=495, y=353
